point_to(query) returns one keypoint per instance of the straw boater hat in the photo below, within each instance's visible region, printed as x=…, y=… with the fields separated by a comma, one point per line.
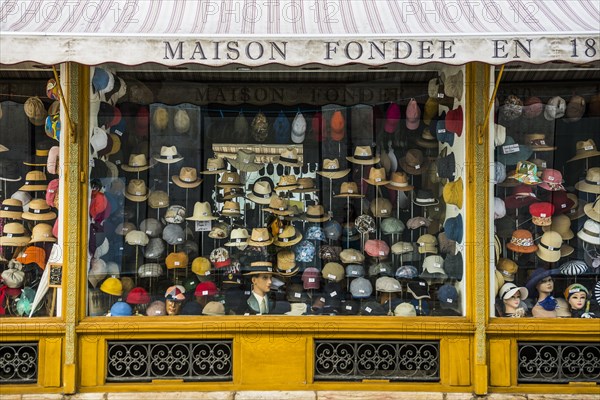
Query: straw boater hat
x=286, y=182
x=306, y=185
x=35, y=180
x=399, y=182
x=261, y=193
x=592, y=210
x=214, y=166
x=585, y=149
x=538, y=142
x=136, y=190
x=260, y=237
x=278, y=206
x=187, y=178
x=260, y=267
x=230, y=179
x=202, y=212
x=331, y=169
x=363, y=155
x=168, y=155
x=244, y=161
x=14, y=234
x=288, y=157
x=137, y=163
x=349, y=189
x=377, y=177
x=39, y=210
x=316, y=213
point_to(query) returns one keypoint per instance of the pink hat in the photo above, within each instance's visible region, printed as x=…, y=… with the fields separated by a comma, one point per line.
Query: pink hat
x=311, y=278
x=413, y=114
x=392, y=118
x=52, y=160
x=52, y=192
x=552, y=180
x=377, y=248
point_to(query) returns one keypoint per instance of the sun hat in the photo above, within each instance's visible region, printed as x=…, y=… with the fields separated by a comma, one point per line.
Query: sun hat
x=9, y=171
x=175, y=293
x=511, y=153
x=424, y=198
x=592, y=210
x=245, y=161
x=173, y=234
x=286, y=182
x=538, y=142
x=399, y=182
x=526, y=172
x=349, y=189
x=288, y=237
x=363, y=155
x=187, y=178
x=278, y=206
x=40, y=157
x=376, y=248
x=38, y=210
x=509, y=289
x=230, y=179
x=414, y=162
x=331, y=169
x=381, y=207
x=591, y=183
x=288, y=157
x=585, y=149
x=34, y=181
x=136, y=190
x=376, y=177
x=512, y=108
x=231, y=209
x=137, y=163
x=14, y=234
x=260, y=267
x=418, y=288
x=577, y=209
x=260, y=237
x=562, y=225
x=42, y=233
x=552, y=180
x=202, y=212
x=590, y=233
x=306, y=185
x=549, y=246
x=214, y=166
x=168, y=155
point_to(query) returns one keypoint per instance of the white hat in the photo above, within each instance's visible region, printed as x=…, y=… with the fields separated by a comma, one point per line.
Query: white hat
x=298, y=128
x=590, y=233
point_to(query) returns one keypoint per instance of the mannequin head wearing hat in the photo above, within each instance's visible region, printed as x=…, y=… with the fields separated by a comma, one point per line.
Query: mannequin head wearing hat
x=577, y=296
x=261, y=284
x=545, y=287
x=173, y=307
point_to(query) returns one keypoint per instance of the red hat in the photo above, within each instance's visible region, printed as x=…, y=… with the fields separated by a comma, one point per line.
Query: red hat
x=562, y=203
x=541, y=213
x=316, y=126
x=311, y=278
x=138, y=295
x=377, y=248
x=337, y=126
x=392, y=118
x=52, y=193
x=552, y=180
x=206, y=288
x=522, y=196
x=454, y=121
x=98, y=203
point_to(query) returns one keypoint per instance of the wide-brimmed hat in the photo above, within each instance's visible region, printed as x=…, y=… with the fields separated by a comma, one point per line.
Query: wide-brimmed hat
x=536, y=276
x=11, y=208
x=136, y=190
x=331, y=169
x=14, y=234
x=522, y=242
x=414, y=162
x=231, y=209
x=538, y=142
x=168, y=155
x=39, y=210
x=508, y=290
x=316, y=213
x=187, y=178
x=260, y=237
x=244, y=161
x=592, y=210
x=42, y=233
x=363, y=155
x=286, y=183
x=35, y=180
x=585, y=149
x=590, y=233
x=349, y=189
x=511, y=153
x=288, y=157
x=399, y=182
x=305, y=185
x=278, y=206
x=137, y=163
x=591, y=183
x=219, y=230
x=577, y=209
x=238, y=238
x=202, y=212
x=214, y=166
x=9, y=171
x=261, y=193
x=260, y=267
x=376, y=177
x=230, y=179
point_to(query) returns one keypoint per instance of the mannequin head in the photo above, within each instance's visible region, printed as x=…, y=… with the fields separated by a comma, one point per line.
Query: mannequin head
x=261, y=283
x=512, y=295
x=511, y=303
x=545, y=287
x=577, y=295
x=173, y=307
x=174, y=298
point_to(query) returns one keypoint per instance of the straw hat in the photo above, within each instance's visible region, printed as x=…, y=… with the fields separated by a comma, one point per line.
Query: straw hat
x=363, y=155
x=260, y=237
x=288, y=157
x=35, y=180
x=549, y=247
x=39, y=210
x=14, y=234
x=592, y=210
x=288, y=237
x=286, y=182
x=316, y=213
x=42, y=233
x=230, y=179
x=349, y=189
x=11, y=208
x=202, y=212
x=261, y=193
x=238, y=238
x=231, y=209
x=585, y=149
x=331, y=169
x=590, y=233
x=244, y=161
x=377, y=177
x=214, y=166
x=35, y=111
x=137, y=163
x=136, y=190
x=562, y=225
x=306, y=185
x=160, y=118
x=278, y=206
x=399, y=182
x=187, y=178
x=286, y=263
x=591, y=183
x=168, y=155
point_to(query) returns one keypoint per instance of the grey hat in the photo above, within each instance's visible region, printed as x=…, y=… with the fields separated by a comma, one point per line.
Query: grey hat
x=152, y=227
x=332, y=229
x=387, y=284
x=361, y=288
x=447, y=246
x=173, y=234
x=190, y=248
x=155, y=248
x=454, y=266
x=381, y=269
x=150, y=270
x=355, y=271
x=391, y=226
x=406, y=272
x=136, y=238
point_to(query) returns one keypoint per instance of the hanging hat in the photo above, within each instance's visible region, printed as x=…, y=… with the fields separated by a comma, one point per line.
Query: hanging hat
x=152, y=227
x=442, y=134
x=288, y=157
x=136, y=190
x=230, y=179
x=260, y=267
x=158, y=199
x=262, y=191
x=446, y=166
x=298, y=128
x=42, y=233
x=522, y=196
x=316, y=213
x=512, y=108
x=585, y=149
x=592, y=210
x=181, y=121
x=281, y=128
x=331, y=169
x=590, y=233
x=288, y=237
x=35, y=111
x=349, y=189
x=187, y=178
x=136, y=163
x=413, y=162
x=555, y=108
x=260, y=237
x=160, y=118
x=220, y=230
x=454, y=228
x=245, y=161
x=278, y=206
x=381, y=207
x=591, y=183
x=286, y=183
x=238, y=238
x=577, y=209
x=392, y=118
x=562, y=225
x=214, y=166
x=11, y=209
x=532, y=107
x=454, y=84
x=541, y=213
x=9, y=171
x=399, y=182
x=424, y=198
x=39, y=210
x=552, y=180
x=377, y=177
x=168, y=155
x=34, y=181
x=575, y=109
x=549, y=246
x=511, y=152
x=522, y=242
x=453, y=193
x=202, y=212
x=413, y=114
x=363, y=155
x=337, y=125
x=260, y=127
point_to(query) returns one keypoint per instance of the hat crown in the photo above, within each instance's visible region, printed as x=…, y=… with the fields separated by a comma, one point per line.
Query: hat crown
x=213, y=164
x=188, y=174
x=35, y=176
x=592, y=175
x=349, y=188
x=306, y=183
x=262, y=187
x=245, y=156
x=299, y=124
x=337, y=121
x=377, y=174
x=414, y=157
x=362, y=151
x=138, y=160
x=137, y=187
x=315, y=210
x=277, y=203
x=287, y=180
x=331, y=164
x=230, y=177
x=260, y=235
x=202, y=209
x=239, y=233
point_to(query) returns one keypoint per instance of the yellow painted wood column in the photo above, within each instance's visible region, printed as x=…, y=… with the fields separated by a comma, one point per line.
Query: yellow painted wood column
x=478, y=243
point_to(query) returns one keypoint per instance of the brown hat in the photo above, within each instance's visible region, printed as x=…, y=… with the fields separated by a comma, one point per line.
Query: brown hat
x=137, y=163
x=575, y=109
x=331, y=169
x=414, y=163
x=158, y=199
x=316, y=213
x=278, y=206
x=585, y=149
x=377, y=177
x=35, y=180
x=363, y=155
x=187, y=178
x=306, y=185
x=230, y=179
x=522, y=242
x=349, y=189
x=508, y=269
x=399, y=182
x=288, y=237
x=260, y=237
x=136, y=190
x=39, y=210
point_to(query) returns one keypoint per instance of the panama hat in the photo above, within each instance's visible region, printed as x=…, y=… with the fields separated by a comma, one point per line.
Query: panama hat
x=136, y=190
x=168, y=155
x=591, y=183
x=137, y=163
x=349, y=189
x=585, y=149
x=306, y=185
x=214, y=166
x=363, y=155
x=238, y=238
x=230, y=179
x=261, y=193
x=376, y=177
x=244, y=161
x=187, y=178
x=286, y=182
x=260, y=237
x=592, y=210
x=316, y=213
x=278, y=206
x=288, y=237
x=288, y=157
x=202, y=212
x=260, y=267
x=231, y=209
x=399, y=182
x=590, y=233
x=331, y=169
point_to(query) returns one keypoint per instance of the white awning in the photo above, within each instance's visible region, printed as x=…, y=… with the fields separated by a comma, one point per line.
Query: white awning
x=298, y=32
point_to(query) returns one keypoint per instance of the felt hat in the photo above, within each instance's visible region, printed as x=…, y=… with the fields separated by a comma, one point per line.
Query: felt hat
x=349, y=189
x=11, y=209
x=288, y=157
x=187, y=178
x=39, y=210
x=585, y=149
x=177, y=260
x=577, y=209
x=575, y=108
x=377, y=177
x=168, y=155
x=245, y=161
x=555, y=108
x=260, y=237
x=261, y=193
x=112, y=286
x=414, y=162
x=522, y=242
x=521, y=196
x=399, y=182
x=511, y=152
x=230, y=179
x=454, y=121
x=590, y=233
x=541, y=213
x=363, y=155
x=136, y=190
x=214, y=166
x=202, y=212
x=424, y=198
x=591, y=183
x=34, y=181
x=305, y=185
x=454, y=228
x=181, y=121
x=9, y=171
x=137, y=163
x=201, y=266
x=138, y=295
x=331, y=169
x=536, y=276
x=278, y=206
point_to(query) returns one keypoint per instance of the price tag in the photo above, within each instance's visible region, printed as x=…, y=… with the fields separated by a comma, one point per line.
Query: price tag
x=381, y=253
x=329, y=276
x=440, y=95
x=311, y=280
x=368, y=309
x=203, y=226
x=297, y=295
x=510, y=148
x=421, y=283
x=449, y=301
x=333, y=294
x=587, y=148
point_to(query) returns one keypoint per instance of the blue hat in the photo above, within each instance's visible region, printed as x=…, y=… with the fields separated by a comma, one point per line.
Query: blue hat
x=102, y=80
x=361, y=288
x=120, y=309
x=442, y=134
x=421, y=307
x=372, y=308
x=454, y=228
x=506, y=157
x=333, y=229
x=316, y=233
x=536, y=276
x=281, y=126
x=406, y=272
x=355, y=271
x=305, y=251
x=448, y=296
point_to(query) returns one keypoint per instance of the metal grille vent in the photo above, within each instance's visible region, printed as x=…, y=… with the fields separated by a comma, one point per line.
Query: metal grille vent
x=18, y=363
x=191, y=361
x=559, y=362
x=347, y=360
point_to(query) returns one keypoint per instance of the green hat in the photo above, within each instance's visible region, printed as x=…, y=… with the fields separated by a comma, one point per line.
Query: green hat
x=392, y=225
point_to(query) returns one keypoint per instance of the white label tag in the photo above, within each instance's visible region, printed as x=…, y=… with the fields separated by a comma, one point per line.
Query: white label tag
x=148, y=232
x=247, y=292
x=203, y=226
x=418, y=166
x=230, y=179
x=381, y=253
x=353, y=272
x=422, y=283
x=333, y=294
x=563, y=205
x=510, y=148
x=176, y=263
x=440, y=95
x=588, y=148
x=543, y=215
x=205, y=293
x=437, y=265
x=329, y=276
x=311, y=280
x=361, y=291
x=297, y=295
x=543, y=164
x=207, y=273
x=449, y=301
x=349, y=308
x=368, y=309
x=322, y=299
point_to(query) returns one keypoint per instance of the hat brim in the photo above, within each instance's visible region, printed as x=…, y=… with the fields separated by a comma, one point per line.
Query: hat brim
x=428, y=144
x=50, y=239
x=276, y=160
x=229, y=185
x=412, y=170
x=351, y=195
x=231, y=214
x=239, y=245
x=287, y=244
x=311, y=219
x=588, y=238
x=547, y=255
x=163, y=160
x=33, y=188
x=128, y=168
x=334, y=175
x=137, y=199
x=584, y=154
x=39, y=217
x=186, y=185
x=578, y=213
x=259, y=200
x=9, y=179
x=371, y=161
x=399, y=188
x=582, y=186
x=588, y=209
x=260, y=244
x=11, y=214
x=285, y=213
x=307, y=190
x=215, y=172
x=376, y=183
x=285, y=188
x=261, y=272
x=207, y=218
x=14, y=241
x=244, y=167
x=522, y=249
x=421, y=204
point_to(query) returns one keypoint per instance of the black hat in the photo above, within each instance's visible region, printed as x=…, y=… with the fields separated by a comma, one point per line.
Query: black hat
x=454, y=266
x=372, y=308
x=446, y=167
x=418, y=288
x=349, y=307
x=9, y=171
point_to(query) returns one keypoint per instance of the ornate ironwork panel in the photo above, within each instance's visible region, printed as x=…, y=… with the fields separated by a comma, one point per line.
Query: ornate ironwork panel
x=559, y=362
x=18, y=362
x=392, y=360
x=190, y=361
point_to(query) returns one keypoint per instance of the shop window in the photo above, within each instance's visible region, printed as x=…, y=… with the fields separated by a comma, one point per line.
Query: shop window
x=283, y=193
x=546, y=184
x=29, y=190
x=18, y=363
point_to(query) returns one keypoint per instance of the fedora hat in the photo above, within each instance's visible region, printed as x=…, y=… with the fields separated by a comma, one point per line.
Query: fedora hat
x=278, y=206
x=399, y=182
x=413, y=162
x=591, y=183
x=522, y=242
x=11, y=209
x=424, y=198
x=136, y=190
x=286, y=182
x=288, y=237
x=244, y=161
x=168, y=155
x=202, y=212
x=230, y=179
x=592, y=210
x=260, y=237
x=306, y=185
x=137, y=163
x=549, y=246
x=187, y=178
x=376, y=177
x=288, y=157
x=214, y=166
x=590, y=233
x=316, y=213
x=35, y=180
x=238, y=238
x=260, y=267
x=331, y=169
x=14, y=234
x=231, y=209
x=363, y=155
x=39, y=210
x=230, y=193
x=42, y=233
x=538, y=142
x=9, y=171
x=585, y=149
x=261, y=193
x=349, y=189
